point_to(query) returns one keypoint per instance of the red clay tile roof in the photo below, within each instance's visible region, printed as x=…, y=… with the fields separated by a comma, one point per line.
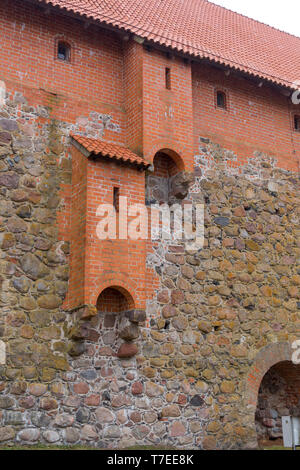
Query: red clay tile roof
x=200, y=28
x=116, y=152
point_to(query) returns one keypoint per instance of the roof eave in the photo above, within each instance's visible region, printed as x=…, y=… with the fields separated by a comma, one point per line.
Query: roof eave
x=80, y=147
x=139, y=166
x=92, y=154
x=239, y=68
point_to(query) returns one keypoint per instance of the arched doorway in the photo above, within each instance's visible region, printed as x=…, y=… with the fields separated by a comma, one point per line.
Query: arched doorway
x=168, y=182
x=119, y=325
x=268, y=357
x=279, y=395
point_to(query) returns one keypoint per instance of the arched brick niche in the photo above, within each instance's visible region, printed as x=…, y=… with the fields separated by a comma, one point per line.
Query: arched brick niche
x=269, y=356
x=120, y=281
x=121, y=318
x=278, y=395
x=175, y=160
x=168, y=181
x=266, y=358
x=114, y=300
x=113, y=320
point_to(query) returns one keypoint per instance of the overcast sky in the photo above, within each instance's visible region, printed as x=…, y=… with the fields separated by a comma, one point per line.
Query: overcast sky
x=284, y=15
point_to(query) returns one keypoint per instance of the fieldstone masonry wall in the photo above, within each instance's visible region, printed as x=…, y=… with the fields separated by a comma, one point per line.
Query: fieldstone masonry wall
x=215, y=309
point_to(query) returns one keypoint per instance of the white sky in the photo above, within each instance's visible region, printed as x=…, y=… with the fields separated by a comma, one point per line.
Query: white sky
x=284, y=15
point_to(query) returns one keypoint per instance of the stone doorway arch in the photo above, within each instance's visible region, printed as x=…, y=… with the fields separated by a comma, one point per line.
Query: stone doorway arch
x=278, y=395
x=267, y=357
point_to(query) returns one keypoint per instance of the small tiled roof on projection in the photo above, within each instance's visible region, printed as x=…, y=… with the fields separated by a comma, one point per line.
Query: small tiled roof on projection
x=116, y=152
x=201, y=29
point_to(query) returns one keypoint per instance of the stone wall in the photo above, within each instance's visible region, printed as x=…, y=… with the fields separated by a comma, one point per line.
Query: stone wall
x=217, y=308
x=214, y=311
x=34, y=268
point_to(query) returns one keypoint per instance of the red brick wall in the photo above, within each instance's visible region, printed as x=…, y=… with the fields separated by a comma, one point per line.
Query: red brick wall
x=118, y=257
x=77, y=230
x=133, y=89
x=167, y=114
x=290, y=373
x=93, y=80
x=106, y=262
x=256, y=119
x=164, y=166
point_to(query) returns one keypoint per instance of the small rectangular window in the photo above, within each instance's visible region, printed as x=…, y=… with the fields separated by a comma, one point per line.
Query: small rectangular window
x=168, y=78
x=221, y=99
x=63, y=51
x=116, y=198
x=297, y=123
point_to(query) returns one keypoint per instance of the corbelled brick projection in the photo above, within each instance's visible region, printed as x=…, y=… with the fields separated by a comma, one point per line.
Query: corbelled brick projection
x=121, y=342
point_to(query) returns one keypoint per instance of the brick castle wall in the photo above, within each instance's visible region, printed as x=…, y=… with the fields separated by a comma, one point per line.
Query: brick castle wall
x=189, y=374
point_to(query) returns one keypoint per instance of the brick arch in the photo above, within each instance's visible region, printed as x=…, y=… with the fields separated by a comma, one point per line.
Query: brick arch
x=120, y=282
x=115, y=299
x=175, y=151
x=174, y=157
x=265, y=359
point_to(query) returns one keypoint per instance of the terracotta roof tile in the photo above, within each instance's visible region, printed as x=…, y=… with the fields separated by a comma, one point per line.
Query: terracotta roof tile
x=203, y=29
x=116, y=152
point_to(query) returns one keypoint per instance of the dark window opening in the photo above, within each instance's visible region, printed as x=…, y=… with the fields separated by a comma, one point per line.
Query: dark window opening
x=297, y=123
x=63, y=51
x=116, y=199
x=168, y=78
x=221, y=100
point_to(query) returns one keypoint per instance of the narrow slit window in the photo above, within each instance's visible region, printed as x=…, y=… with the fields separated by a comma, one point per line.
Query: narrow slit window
x=63, y=51
x=221, y=99
x=168, y=78
x=116, y=198
x=297, y=123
